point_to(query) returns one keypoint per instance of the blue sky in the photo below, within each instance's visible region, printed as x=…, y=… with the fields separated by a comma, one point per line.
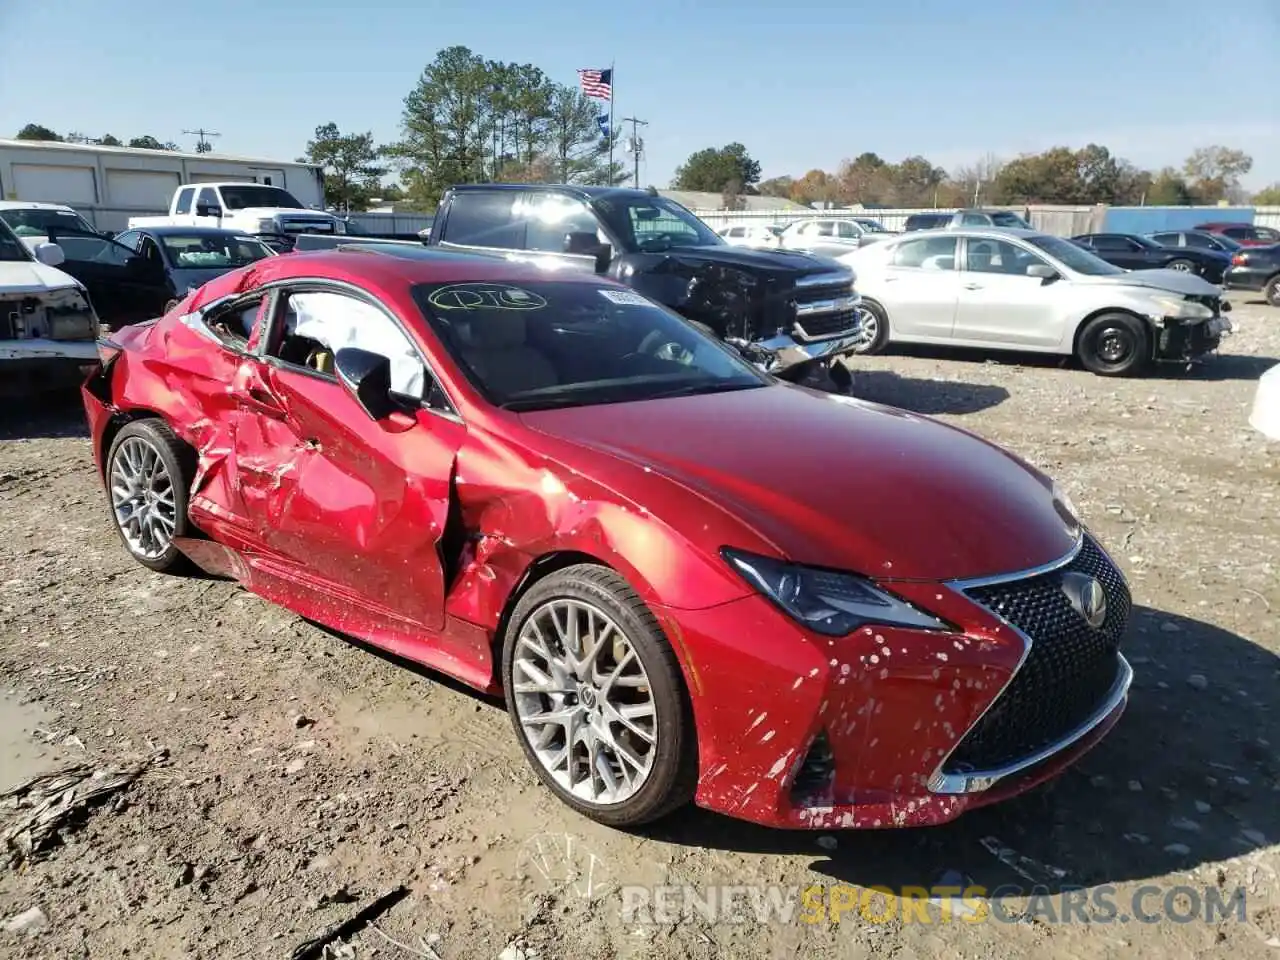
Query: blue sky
x=803, y=83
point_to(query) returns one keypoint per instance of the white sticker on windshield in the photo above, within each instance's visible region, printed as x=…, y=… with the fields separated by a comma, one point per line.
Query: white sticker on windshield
x=624, y=298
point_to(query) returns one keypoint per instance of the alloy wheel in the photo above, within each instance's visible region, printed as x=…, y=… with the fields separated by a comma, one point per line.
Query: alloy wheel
x=584, y=702
x=142, y=498
x=870, y=329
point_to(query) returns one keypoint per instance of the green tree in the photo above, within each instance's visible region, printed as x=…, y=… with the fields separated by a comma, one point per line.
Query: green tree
x=1168, y=188
x=776, y=187
x=1268, y=196
x=1214, y=173
x=149, y=142
x=714, y=169
x=816, y=186
x=867, y=178
x=352, y=174
x=36, y=131
x=915, y=182
x=109, y=141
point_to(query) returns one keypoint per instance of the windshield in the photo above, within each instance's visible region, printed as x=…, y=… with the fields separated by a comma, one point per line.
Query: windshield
x=1073, y=257
x=871, y=226
x=205, y=251
x=1004, y=218
x=38, y=222
x=238, y=197
x=654, y=224
x=536, y=346
x=1216, y=240
x=11, y=248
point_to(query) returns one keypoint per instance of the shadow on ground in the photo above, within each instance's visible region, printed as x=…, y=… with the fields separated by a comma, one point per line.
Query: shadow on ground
x=1221, y=367
x=43, y=416
x=928, y=397
x=1200, y=729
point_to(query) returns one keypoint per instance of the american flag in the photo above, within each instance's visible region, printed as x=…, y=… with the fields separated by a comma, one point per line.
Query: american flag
x=597, y=83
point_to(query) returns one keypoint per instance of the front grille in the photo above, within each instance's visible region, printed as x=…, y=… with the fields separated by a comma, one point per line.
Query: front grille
x=1069, y=669
x=822, y=312
x=307, y=226
x=817, y=770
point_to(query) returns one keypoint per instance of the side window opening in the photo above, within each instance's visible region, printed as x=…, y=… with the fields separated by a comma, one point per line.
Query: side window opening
x=315, y=325
x=184, y=200
x=234, y=324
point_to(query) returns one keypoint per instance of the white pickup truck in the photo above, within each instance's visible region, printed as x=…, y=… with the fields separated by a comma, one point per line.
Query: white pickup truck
x=273, y=215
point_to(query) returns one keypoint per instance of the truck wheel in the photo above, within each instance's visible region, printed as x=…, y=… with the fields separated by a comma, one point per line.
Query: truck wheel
x=1114, y=345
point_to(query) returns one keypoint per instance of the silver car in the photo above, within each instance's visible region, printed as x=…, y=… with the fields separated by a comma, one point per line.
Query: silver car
x=999, y=289
x=831, y=237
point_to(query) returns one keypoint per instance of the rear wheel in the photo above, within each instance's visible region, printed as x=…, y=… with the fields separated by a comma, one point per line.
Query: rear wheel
x=1115, y=345
x=1272, y=291
x=1183, y=266
x=597, y=698
x=147, y=489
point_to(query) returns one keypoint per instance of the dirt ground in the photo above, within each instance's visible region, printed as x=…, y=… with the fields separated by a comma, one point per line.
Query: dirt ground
x=297, y=776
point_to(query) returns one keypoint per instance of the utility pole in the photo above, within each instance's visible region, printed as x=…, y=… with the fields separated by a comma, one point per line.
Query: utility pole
x=635, y=145
x=203, y=146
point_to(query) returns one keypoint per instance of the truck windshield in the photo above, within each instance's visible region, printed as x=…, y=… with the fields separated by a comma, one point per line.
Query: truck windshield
x=11, y=248
x=237, y=197
x=653, y=224
x=44, y=222
x=556, y=343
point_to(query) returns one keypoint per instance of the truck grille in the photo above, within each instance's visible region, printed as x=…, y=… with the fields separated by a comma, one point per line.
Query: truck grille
x=825, y=306
x=1068, y=672
x=299, y=225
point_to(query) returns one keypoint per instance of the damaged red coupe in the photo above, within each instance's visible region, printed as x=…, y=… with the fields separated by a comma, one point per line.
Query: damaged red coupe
x=691, y=582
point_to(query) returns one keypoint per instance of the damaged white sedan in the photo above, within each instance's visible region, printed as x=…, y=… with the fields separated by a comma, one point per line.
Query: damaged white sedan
x=48, y=327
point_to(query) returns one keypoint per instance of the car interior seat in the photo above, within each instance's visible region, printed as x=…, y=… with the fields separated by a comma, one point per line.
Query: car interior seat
x=496, y=346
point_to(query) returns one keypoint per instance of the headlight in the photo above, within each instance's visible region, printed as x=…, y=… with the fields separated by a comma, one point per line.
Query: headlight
x=825, y=601
x=1182, y=309
x=267, y=226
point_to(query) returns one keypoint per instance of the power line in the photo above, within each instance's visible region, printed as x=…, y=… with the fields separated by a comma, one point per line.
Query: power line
x=203, y=146
x=635, y=145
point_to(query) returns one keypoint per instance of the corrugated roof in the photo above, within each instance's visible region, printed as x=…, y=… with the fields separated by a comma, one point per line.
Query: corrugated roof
x=139, y=151
x=705, y=200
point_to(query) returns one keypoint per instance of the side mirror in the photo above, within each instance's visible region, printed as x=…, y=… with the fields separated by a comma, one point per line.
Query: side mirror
x=368, y=376
x=1043, y=272
x=208, y=210
x=582, y=243
x=50, y=254
x=108, y=234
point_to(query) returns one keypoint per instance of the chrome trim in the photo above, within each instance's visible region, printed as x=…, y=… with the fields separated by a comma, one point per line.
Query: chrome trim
x=830, y=305
x=960, y=587
x=824, y=279
x=978, y=781
x=788, y=351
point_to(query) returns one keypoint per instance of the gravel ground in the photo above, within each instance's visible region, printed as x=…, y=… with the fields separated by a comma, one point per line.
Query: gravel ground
x=295, y=776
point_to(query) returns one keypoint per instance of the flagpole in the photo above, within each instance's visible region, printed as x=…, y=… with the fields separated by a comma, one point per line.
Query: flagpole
x=613, y=90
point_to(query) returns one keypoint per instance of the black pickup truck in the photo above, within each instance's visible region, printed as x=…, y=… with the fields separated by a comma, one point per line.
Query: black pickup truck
x=789, y=312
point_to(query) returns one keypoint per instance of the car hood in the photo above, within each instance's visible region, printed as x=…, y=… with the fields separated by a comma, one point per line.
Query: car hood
x=829, y=480
x=797, y=262
x=1173, y=281
x=26, y=276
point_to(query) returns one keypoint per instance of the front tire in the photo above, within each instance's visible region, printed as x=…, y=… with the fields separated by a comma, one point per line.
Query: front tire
x=1115, y=345
x=597, y=699
x=1182, y=266
x=147, y=489
x=875, y=326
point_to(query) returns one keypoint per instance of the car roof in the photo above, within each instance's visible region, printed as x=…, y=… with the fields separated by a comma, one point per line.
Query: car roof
x=571, y=189
x=994, y=233
x=32, y=205
x=171, y=229
x=387, y=266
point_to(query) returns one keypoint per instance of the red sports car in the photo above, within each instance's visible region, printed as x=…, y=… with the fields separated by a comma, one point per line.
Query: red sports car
x=691, y=581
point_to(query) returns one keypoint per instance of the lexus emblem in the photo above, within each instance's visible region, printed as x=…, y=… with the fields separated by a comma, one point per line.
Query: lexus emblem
x=1087, y=598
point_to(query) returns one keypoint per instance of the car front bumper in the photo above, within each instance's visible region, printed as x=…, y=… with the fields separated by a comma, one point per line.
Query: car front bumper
x=779, y=354
x=798, y=730
x=34, y=365
x=1182, y=342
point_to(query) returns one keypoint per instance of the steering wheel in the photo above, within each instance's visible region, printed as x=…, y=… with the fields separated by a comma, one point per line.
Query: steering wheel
x=656, y=345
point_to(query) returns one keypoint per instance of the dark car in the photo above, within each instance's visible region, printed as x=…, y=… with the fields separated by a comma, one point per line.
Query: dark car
x=188, y=257
x=965, y=218
x=1195, y=239
x=1256, y=268
x=1244, y=234
x=792, y=313
x=1134, y=252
